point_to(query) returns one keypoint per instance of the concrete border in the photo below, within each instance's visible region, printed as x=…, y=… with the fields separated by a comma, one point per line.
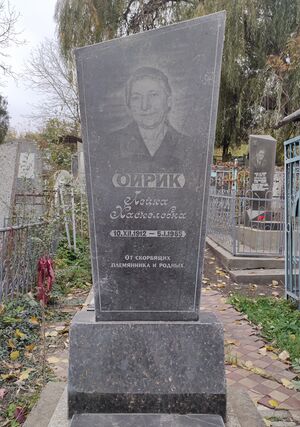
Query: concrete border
x=46, y=405
x=231, y=262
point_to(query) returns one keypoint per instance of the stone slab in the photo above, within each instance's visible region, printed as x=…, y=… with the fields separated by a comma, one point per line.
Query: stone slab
x=60, y=416
x=46, y=405
x=242, y=408
x=156, y=367
x=149, y=106
x=146, y=420
x=258, y=276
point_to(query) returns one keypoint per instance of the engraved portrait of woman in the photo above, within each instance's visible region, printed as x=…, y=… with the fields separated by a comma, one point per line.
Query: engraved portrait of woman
x=150, y=136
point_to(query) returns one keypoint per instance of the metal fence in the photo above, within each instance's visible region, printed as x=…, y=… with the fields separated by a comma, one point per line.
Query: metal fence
x=292, y=218
x=245, y=225
x=20, y=248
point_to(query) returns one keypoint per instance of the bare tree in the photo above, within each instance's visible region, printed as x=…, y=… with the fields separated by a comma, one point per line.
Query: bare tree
x=8, y=33
x=47, y=72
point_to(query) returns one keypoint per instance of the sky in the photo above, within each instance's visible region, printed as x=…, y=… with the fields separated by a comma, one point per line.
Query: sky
x=35, y=23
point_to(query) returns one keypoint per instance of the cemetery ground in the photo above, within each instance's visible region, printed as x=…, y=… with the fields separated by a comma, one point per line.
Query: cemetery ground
x=33, y=340
x=34, y=344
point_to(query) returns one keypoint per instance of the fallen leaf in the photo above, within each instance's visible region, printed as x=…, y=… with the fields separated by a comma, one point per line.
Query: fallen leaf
x=3, y=392
x=53, y=359
x=262, y=351
x=284, y=355
x=25, y=374
x=275, y=294
x=14, y=355
x=51, y=334
x=2, y=308
x=260, y=372
x=273, y=403
x=248, y=364
x=20, y=334
x=232, y=342
x=267, y=422
x=274, y=283
x=30, y=347
x=20, y=415
x=220, y=273
x=34, y=320
x=270, y=348
x=8, y=376
x=287, y=383
x=11, y=344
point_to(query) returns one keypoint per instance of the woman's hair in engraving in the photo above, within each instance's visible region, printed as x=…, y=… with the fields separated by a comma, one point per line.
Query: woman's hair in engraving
x=150, y=72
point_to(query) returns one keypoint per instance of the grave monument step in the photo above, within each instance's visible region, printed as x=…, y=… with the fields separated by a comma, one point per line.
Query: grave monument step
x=146, y=420
x=258, y=276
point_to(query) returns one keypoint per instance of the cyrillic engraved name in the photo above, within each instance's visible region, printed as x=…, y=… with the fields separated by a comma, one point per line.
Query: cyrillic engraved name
x=148, y=180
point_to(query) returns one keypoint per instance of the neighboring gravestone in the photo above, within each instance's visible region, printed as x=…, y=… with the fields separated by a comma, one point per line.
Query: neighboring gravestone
x=262, y=154
x=149, y=107
x=8, y=161
x=29, y=203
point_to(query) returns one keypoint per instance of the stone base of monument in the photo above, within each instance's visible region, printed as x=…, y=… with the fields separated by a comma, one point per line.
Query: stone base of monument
x=149, y=420
x=146, y=367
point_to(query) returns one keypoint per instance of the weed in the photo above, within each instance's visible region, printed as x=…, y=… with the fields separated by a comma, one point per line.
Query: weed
x=279, y=321
x=72, y=269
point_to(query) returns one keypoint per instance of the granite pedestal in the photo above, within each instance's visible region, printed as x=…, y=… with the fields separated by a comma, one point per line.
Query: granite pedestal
x=149, y=420
x=140, y=367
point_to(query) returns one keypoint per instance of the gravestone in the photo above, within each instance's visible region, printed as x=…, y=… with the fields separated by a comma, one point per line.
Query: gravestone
x=8, y=157
x=262, y=154
x=148, y=106
x=28, y=202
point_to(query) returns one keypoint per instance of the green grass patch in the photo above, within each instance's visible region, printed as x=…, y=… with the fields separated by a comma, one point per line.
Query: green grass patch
x=279, y=320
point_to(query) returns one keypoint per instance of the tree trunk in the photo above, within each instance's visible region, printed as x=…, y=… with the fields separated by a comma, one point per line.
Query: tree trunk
x=225, y=154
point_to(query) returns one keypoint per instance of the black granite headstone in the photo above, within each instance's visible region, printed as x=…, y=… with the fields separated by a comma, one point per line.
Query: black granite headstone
x=149, y=106
x=262, y=154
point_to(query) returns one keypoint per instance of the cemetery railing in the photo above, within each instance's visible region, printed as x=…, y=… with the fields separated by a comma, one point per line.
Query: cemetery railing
x=292, y=218
x=20, y=248
x=247, y=226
